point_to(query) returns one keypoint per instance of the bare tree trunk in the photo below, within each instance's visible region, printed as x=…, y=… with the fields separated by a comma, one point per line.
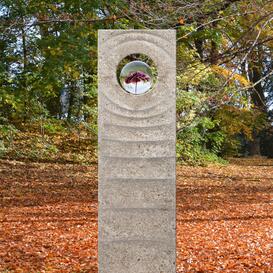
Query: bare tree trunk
x=71, y=100
x=258, y=99
x=214, y=49
x=25, y=62
x=199, y=44
x=255, y=145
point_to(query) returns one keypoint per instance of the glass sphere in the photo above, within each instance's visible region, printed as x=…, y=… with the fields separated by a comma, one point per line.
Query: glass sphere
x=136, y=77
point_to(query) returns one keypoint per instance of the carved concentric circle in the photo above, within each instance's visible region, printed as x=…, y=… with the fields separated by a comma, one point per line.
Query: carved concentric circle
x=159, y=50
x=137, y=74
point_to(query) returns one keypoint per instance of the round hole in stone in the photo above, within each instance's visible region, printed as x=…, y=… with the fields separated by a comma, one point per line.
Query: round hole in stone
x=137, y=74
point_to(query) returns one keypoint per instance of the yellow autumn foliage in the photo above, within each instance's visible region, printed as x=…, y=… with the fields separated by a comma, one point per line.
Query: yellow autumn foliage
x=226, y=73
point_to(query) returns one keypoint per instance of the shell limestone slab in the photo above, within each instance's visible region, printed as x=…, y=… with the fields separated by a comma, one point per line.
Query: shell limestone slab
x=137, y=157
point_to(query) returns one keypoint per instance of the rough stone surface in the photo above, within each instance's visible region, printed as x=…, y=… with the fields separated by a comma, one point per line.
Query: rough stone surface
x=137, y=157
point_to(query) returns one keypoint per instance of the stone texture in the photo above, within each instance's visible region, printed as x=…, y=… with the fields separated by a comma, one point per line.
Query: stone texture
x=137, y=157
x=137, y=256
x=156, y=167
x=137, y=193
x=137, y=148
x=152, y=224
x=142, y=133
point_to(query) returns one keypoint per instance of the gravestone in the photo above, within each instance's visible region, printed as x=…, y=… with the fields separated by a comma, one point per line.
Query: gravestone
x=137, y=134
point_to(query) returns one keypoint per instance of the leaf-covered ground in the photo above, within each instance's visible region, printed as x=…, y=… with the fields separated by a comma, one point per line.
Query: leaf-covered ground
x=48, y=217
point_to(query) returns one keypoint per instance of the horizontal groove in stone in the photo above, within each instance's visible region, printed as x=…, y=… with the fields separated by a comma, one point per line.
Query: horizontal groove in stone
x=167, y=241
x=138, y=164
x=148, y=160
x=136, y=168
x=170, y=209
x=134, y=241
x=139, y=180
x=139, y=255
x=149, y=195
x=138, y=141
x=137, y=150
x=137, y=157
x=136, y=117
x=153, y=113
x=138, y=223
x=137, y=127
x=124, y=194
x=138, y=123
x=123, y=107
x=158, y=132
x=138, y=34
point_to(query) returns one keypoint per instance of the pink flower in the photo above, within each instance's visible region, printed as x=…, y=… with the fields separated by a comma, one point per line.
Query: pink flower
x=136, y=77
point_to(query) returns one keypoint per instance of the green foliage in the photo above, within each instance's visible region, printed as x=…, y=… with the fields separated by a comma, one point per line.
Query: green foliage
x=201, y=142
x=50, y=141
x=238, y=124
x=52, y=126
x=7, y=134
x=3, y=148
x=48, y=74
x=41, y=149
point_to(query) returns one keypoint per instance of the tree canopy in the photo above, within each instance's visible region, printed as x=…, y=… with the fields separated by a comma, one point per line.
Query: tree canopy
x=48, y=75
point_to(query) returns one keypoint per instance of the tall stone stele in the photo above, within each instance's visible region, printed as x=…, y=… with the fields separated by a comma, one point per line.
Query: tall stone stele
x=137, y=134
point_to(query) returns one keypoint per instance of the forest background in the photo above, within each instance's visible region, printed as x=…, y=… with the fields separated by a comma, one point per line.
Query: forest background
x=48, y=75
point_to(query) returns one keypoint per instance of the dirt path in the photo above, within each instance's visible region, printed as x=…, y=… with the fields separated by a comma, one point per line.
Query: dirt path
x=48, y=218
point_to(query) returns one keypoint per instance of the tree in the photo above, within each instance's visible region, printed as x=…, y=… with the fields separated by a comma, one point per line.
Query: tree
x=224, y=65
